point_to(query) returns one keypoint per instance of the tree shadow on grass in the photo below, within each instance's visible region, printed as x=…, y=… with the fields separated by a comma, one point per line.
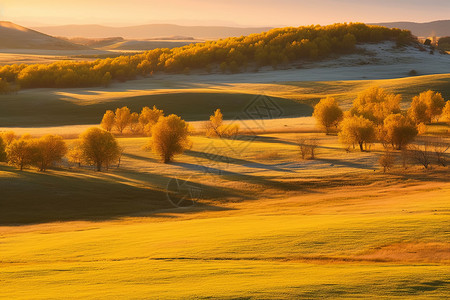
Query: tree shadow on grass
x=220, y=158
x=28, y=197
x=265, y=181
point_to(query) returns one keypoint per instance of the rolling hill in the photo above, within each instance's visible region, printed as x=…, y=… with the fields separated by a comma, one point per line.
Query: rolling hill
x=13, y=36
x=438, y=28
x=149, y=31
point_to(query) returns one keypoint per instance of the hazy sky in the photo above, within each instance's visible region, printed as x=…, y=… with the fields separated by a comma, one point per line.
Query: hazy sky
x=220, y=12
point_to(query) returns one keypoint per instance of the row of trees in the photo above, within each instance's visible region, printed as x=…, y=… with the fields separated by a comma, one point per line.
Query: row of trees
x=95, y=147
x=376, y=116
x=277, y=46
x=123, y=119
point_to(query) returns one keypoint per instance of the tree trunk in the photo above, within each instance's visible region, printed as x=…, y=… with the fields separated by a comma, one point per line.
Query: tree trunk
x=361, y=146
x=99, y=167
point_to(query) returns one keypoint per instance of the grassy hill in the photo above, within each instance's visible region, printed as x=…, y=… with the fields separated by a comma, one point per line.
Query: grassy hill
x=13, y=36
x=264, y=227
x=41, y=107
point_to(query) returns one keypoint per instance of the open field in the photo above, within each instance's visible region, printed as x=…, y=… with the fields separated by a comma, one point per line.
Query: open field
x=194, y=101
x=255, y=220
x=263, y=226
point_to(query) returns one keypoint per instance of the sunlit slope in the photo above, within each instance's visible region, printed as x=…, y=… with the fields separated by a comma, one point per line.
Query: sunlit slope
x=193, y=101
x=368, y=244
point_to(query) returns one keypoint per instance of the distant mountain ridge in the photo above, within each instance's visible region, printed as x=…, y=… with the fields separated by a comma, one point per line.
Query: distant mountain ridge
x=439, y=28
x=13, y=36
x=149, y=31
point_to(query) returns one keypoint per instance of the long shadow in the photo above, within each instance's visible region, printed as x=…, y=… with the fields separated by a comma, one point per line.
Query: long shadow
x=270, y=139
x=239, y=177
x=345, y=163
x=236, y=161
x=28, y=197
x=139, y=157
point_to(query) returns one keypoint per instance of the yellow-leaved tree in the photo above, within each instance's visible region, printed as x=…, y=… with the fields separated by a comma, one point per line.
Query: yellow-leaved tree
x=328, y=113
x=399, y=131
x=215, y=126
x=170, y=136
x=426, y=106
x=357, y=130
x=122, y=118
x=20, y=153
x=375, y=104
x=108, y=120
x=48, y=150
x=148, y=118
x=99, y=147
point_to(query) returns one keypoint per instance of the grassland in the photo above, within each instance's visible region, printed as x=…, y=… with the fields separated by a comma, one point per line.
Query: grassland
x=193, y=101
x=258, y=221
x=262, y=226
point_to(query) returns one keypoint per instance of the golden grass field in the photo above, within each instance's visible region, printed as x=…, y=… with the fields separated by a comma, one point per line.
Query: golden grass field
x=263, y=223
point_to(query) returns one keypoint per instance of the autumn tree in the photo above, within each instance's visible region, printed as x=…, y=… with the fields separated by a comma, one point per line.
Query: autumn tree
x=215, y=126
x=99, y=147
x=75, y=153
x=148, y=118
x=375, y=104
x=170, y=136
x=328, y=113
x=357, y=130
x=8, y=137
x=122, y=118
x=399, y=131
x=134, y=123
x=446, y=111
x=20, y=153
x=47, y=150
x=2, y=150
x=426, y=106
x=108, y=120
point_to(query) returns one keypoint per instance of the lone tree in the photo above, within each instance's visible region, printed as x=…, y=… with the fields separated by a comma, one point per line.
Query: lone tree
x=399, y=131
x=20, y=153
x=426, y=106
x=122, y=118
x=170, y=136
x=108, y=120
x=215, y=126
x=328, y=113
x=375, y=104
x=47, y=150
x=386, y=160
x=357, y=130
x=99, y=147
x=148, y=118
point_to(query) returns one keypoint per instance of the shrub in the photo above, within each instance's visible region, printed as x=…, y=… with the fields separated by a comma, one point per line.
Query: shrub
x=308, y=147
x=215, y=126
x=387, y=161
x=170, y=136
x=328, y=113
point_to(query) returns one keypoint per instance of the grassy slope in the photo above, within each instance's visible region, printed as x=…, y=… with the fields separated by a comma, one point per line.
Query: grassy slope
x=314, y=231
x=43, y=107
